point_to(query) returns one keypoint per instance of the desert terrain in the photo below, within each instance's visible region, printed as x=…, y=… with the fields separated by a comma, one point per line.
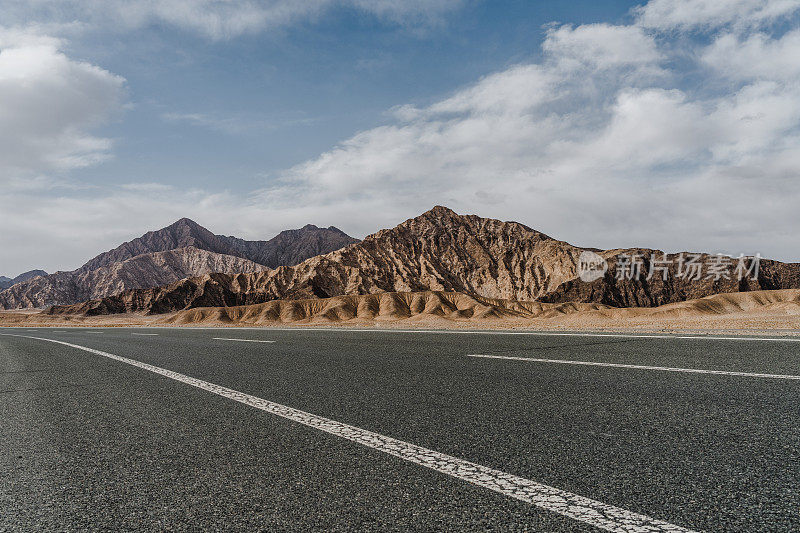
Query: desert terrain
x=764, y=312
x=437, y=270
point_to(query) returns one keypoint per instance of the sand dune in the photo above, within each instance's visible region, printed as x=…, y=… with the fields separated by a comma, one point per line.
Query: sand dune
x=762, y=310
x=757, y=310
x=782, y=301
x=382, y=307
x=441, y=308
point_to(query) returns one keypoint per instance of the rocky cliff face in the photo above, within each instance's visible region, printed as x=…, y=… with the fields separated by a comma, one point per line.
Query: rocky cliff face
x=183, y=249
x=443, y=251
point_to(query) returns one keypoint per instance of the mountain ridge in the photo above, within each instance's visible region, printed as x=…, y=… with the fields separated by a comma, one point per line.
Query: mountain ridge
x=6, y=282
x=442, y=251
x=153, y=260
x=185, y=233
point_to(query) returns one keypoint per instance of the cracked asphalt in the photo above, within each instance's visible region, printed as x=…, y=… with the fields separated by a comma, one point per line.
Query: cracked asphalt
x=89, y=443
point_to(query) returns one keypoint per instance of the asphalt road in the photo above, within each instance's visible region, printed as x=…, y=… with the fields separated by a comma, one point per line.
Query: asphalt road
x=94, y=443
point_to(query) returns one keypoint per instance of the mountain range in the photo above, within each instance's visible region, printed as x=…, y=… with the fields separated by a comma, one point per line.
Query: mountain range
x=183, y=249
x=6, y=282
x=441, y=250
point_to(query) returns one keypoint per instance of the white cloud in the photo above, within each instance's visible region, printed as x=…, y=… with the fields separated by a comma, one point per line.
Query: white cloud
x=607, y=141
x=647, y=128
x=703, y=14
x=595, y=144
x=48, y=105
x=216, y=19
x=759, y=56
x=601, y=46
x=27, y=36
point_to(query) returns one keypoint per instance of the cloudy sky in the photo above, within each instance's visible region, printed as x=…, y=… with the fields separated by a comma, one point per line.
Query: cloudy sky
x=673, y=124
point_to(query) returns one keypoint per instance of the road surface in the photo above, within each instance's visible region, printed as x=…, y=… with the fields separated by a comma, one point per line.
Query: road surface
x=327, y=429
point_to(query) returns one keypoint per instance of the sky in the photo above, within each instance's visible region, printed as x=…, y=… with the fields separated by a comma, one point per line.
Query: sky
x=671, y=124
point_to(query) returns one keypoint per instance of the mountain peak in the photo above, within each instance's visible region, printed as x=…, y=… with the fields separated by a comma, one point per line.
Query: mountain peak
x=184, y=223
x=440, y=210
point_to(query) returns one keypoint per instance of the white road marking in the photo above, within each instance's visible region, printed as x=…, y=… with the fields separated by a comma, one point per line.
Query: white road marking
x=593, y=512
x=637, y=367
x=534, y=333
x=238, y=340
x=98, y=332
x=505, y=332
x=146, y=334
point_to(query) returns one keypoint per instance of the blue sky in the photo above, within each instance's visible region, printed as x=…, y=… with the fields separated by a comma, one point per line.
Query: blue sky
x=670, y=124
x=241, y=109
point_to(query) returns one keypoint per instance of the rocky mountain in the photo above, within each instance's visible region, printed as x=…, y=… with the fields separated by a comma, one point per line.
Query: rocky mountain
x=6, y=282
x=287, y=248
x=440, y=251
x=145, y=270
x=181, y=250
x=657, y=290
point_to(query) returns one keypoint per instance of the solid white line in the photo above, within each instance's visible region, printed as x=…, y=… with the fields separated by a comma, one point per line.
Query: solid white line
x=239, y=340
x=613, y=335
x=146, y=334
x=593, y=512
x=459, y=332
x=534, y=333
x=638, y=367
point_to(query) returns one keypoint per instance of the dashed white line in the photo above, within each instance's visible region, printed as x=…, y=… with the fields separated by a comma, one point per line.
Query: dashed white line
x=637, y=367
x=146, y=334
x=593, y=512
x=239, y=340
